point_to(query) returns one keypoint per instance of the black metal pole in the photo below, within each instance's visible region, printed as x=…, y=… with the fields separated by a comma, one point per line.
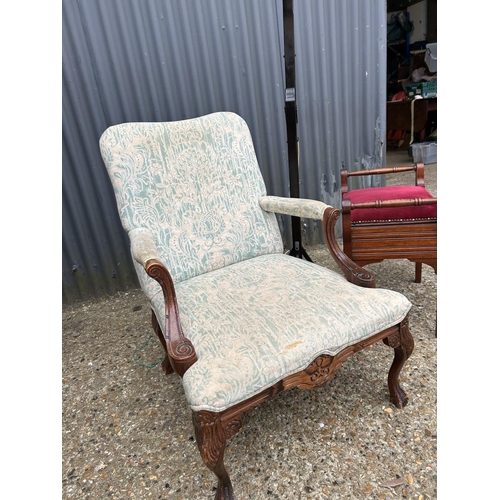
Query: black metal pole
x=291, y=123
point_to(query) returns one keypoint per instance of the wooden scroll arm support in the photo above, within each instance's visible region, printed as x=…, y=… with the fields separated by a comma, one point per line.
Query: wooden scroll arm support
x=353, y=273
x=180, y=351
x=312, y=209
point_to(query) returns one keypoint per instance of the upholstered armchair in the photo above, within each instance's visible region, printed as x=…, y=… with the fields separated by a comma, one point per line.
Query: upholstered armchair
x=239, y=319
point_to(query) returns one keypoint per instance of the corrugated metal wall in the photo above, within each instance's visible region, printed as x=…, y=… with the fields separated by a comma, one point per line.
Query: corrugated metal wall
x=162, y=60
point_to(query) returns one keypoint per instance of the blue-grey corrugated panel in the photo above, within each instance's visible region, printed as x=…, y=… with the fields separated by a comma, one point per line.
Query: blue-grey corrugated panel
x=95, y=256
x=171, y=60
x=341, y=94
x=161, y=60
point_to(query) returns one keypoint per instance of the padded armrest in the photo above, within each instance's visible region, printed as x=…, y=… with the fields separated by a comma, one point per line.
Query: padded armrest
x=297, y=207
x=143, y=245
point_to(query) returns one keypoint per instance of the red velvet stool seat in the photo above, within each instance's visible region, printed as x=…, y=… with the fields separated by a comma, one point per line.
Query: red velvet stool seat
x=391, y=222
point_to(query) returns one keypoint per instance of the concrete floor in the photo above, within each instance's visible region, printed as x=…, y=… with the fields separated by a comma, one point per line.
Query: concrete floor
x=127, y=431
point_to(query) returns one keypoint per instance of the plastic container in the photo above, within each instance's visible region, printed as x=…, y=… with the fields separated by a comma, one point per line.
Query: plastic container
x=426, y=152
x=431, y=57
x=422, y=89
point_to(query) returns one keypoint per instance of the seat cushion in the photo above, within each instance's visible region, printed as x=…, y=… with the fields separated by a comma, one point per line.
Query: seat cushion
x=390, y=193
x=257, y=321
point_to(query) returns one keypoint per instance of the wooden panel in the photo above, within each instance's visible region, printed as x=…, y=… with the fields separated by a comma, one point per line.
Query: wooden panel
x=415, y=241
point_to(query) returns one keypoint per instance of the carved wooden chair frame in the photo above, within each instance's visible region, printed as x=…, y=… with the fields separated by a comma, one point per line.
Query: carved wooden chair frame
x=148, y=162
x=212, y=429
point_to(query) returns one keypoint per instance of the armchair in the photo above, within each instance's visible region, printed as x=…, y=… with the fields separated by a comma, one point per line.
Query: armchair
x=239, y=319
x=391, y=222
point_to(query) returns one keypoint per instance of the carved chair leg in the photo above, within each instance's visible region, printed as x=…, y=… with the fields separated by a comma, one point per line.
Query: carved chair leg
x=211, y=436
x=402, y=343
x=165, y=364
x=418, y=272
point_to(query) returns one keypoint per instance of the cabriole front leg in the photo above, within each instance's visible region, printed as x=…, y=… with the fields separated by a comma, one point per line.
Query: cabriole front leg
x=211, y=436
x=402, y=343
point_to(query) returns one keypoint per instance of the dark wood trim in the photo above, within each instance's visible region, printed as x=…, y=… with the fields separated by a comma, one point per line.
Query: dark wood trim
x=373, y=242
x=418, y=168
x=380, y=171
x=352, y=271
x=403, y=202
x=180, y=351
x=165, y=364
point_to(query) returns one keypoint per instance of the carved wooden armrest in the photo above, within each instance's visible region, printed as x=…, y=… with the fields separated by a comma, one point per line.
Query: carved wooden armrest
x=353, y=273
x=312, y=209
x=180, y=350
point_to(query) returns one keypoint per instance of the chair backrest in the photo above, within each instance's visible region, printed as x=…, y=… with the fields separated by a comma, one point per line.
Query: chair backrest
x=195, y=184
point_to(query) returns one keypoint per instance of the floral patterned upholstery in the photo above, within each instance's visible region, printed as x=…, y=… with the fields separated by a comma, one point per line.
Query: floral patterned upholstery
x=191, y=195
x=195, y=184
x=253, y=323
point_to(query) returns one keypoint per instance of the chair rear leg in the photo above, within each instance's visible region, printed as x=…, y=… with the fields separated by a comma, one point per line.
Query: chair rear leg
x=211, y=436
x=418, y=272
x=165, y=364
x=402, y=343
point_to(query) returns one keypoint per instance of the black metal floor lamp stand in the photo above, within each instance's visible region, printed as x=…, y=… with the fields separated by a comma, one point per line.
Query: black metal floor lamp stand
x=291, y=124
